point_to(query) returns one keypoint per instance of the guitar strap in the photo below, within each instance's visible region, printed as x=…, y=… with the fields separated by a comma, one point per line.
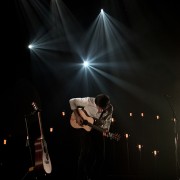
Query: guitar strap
x=98, y=121
x=106, y=109
x=101, y=115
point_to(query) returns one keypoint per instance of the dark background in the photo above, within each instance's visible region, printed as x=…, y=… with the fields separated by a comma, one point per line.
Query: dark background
x=147, y=80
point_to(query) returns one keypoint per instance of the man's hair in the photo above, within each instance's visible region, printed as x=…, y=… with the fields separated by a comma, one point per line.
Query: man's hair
x=102, y=100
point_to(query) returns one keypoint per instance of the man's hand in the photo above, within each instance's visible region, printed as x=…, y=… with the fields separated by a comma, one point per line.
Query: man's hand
x=79, y=120
x=106, y=133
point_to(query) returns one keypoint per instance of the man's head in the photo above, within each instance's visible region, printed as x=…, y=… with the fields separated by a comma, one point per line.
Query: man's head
x=102, y=101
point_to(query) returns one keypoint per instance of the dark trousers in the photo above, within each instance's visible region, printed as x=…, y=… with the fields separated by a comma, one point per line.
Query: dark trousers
x=92, y=155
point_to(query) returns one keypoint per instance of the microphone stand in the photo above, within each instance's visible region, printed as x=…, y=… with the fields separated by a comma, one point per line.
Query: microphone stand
x=175, y=136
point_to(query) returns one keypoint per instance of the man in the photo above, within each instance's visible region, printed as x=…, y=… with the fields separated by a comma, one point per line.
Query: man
x=92, y=140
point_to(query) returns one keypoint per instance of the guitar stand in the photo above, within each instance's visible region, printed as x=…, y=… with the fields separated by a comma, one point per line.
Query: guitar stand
x=28, y=144
x=32, y=175
x=37, y=172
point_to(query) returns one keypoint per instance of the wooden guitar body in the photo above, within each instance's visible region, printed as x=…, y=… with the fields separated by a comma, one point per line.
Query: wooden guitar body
x=42, y=159
x=89, y=124
x=75, y=125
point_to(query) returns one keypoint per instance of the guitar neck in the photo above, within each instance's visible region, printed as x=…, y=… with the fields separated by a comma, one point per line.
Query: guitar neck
x=40, y=125
x=39, y=118
x=96, y=127
x=110, y=135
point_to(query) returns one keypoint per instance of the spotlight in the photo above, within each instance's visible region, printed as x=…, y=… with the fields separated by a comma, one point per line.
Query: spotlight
x=86, y=64
x=30, y=46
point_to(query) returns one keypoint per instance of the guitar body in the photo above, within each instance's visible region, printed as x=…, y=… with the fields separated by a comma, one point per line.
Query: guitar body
x=84, y=115
x=42, y=159
x=89, y=124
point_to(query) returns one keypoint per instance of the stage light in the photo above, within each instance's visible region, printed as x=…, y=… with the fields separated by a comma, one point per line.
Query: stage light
x=5, y=142
x=139, y=146
x=157, y=117
x=51, y=130
x=155, y=152
x=30, y=46
x=127, y=136
x=86, y=64
x=112, y=120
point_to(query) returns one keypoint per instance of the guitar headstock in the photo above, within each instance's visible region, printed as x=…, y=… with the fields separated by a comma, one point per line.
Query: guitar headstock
x=114, y=136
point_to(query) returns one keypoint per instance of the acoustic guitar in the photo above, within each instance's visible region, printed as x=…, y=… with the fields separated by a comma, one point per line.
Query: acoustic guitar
x=42, y=158
x=88, y=124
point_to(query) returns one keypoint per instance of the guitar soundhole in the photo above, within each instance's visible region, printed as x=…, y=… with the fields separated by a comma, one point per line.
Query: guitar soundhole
x=85, y=122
